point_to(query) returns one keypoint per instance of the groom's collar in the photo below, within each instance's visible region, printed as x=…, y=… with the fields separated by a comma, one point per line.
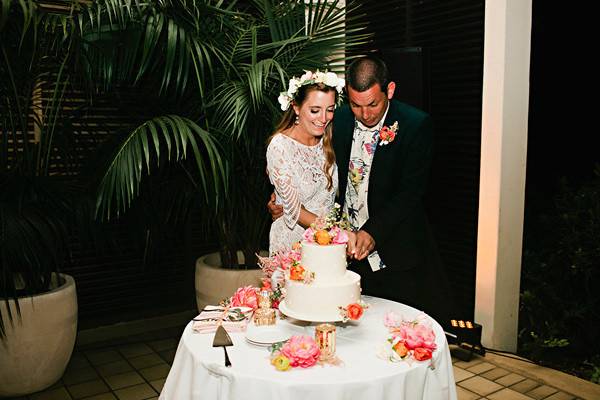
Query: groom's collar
x=377, y=127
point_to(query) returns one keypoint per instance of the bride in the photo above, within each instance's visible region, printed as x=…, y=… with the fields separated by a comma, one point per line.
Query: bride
x=300, y=159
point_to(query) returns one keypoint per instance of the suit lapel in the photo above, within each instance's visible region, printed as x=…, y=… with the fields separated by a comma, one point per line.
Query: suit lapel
x=382, y=153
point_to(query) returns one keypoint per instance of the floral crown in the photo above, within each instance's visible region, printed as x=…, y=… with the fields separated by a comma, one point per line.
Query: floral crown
x=309, y=78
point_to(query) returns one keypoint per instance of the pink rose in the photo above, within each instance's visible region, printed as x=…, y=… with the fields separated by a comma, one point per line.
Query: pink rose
x=302, y=351
x=245, y=297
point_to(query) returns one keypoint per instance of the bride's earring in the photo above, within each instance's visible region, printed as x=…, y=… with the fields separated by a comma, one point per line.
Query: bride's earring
x=297, y=120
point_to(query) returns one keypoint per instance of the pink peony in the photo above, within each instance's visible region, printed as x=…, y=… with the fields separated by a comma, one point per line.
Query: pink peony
x=417, y=335
x=302, y=351
x=245, y=297
x=309, y=235
x=339, y=235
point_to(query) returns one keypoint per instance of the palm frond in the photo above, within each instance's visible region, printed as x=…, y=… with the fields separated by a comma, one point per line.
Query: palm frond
x=119, y=185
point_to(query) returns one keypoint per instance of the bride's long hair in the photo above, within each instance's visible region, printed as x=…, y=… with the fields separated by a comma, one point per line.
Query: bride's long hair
x=289, y=117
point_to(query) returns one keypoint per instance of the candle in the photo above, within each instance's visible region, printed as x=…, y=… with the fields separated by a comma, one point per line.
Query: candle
x=325, y=338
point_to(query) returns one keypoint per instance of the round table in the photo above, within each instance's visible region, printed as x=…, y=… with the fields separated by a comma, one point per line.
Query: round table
x=198, y=370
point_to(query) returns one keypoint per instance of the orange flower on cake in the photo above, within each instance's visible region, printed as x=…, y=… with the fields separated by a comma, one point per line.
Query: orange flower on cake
x=322, y=237
x=297, y=273
x=353, y=312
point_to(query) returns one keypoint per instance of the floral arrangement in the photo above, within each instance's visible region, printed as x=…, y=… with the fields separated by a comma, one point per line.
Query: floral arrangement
x=330, y=229
x=309, y=78
x=298, y=351
x=282, y=261
x=410, y=339
x=387, y=134
x=353, y=312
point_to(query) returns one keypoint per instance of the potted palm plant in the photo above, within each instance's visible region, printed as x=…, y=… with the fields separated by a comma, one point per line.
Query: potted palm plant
x=43, y=57
x=219, y=66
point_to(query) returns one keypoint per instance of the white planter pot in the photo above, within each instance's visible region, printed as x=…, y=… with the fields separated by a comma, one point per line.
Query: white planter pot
x=38, y=346
x=214, y=283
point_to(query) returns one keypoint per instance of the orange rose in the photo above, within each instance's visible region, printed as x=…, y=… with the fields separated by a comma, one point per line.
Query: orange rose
x=421, y=354
x=400, y=349
x=322, y=237
x=297, y=273
x=355, y=311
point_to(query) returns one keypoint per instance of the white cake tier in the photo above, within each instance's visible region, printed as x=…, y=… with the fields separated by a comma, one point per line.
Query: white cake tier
x=327, y=262
x=319, y=302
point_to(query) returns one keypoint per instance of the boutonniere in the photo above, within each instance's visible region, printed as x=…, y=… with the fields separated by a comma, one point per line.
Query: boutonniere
x=387, y=134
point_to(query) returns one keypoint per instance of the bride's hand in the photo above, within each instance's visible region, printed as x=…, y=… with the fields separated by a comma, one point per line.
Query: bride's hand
x=275, y=210
x=351, y=246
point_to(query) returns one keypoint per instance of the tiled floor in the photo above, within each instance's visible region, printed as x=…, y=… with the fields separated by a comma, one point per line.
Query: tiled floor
x=135, y=368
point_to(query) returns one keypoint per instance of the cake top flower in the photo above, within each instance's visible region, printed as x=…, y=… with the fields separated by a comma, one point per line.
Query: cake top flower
x=329, y=229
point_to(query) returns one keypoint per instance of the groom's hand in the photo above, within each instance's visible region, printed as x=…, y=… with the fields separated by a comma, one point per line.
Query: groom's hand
x=364, y=245
x=275, y=210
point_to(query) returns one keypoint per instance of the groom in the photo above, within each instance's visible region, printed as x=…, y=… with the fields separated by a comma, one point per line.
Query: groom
x=383, y=151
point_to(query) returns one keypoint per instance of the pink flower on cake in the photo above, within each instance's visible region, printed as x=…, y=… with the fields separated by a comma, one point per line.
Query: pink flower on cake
x=387, y=134
x=244, y=297
x=302, y=351
x=339, y=236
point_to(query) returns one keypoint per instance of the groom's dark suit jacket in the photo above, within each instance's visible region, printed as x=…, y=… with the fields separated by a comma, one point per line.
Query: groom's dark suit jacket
x=397, y=219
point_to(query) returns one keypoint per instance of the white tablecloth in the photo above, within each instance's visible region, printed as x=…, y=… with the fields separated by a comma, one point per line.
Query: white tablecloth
x=198, y=370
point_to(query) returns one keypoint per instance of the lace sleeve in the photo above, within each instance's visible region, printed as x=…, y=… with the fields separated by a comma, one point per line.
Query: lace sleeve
x=279, y=168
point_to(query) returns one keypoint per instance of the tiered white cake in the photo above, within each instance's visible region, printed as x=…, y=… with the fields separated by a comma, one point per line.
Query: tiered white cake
x=333, y=286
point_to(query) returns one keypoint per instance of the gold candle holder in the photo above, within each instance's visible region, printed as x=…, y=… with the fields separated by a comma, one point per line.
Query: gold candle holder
x=264, y=299
x=325, y=338
x=264, y=315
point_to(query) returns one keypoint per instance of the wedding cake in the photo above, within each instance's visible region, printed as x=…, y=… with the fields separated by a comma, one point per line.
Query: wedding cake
x=321, y=284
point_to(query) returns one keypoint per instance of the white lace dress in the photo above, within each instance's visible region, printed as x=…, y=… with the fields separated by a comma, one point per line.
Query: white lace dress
x=296, y=171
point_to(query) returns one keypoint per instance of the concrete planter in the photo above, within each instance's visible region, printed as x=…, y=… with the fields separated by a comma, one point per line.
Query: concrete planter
x=38, y=346
x=214, y=283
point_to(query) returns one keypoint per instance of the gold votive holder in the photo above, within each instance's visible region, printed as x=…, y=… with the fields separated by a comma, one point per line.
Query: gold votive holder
x=264, y=316
x=325, y=338
x=264, y=299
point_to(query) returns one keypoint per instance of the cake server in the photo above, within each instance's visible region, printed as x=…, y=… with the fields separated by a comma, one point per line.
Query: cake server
x=222, y=339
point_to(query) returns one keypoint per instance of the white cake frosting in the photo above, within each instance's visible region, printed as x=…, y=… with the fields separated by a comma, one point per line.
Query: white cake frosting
x=333, y=286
